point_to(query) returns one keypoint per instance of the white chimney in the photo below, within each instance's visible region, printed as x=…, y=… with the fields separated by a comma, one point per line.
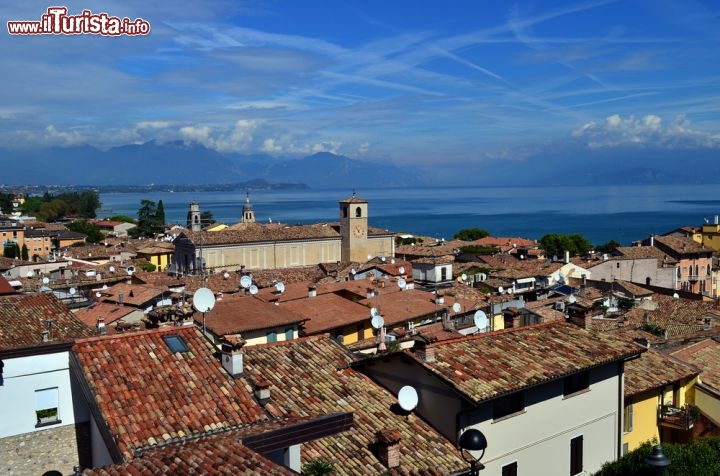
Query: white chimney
x=652, y=240
x=312, y=291
x=716, y=219
x=567, y=256
x=232, y=355
x=262, y=391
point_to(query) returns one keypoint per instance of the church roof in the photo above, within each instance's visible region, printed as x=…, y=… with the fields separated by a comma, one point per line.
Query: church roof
x=353, y=199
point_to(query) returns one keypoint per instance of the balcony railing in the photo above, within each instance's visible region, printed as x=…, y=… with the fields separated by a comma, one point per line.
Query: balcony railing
x=673, y=417
x=693, y=277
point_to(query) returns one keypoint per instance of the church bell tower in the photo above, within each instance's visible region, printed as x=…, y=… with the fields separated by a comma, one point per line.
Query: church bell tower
x=354, y=229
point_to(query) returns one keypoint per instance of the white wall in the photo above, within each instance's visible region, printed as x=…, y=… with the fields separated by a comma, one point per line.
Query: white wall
x=23, y=376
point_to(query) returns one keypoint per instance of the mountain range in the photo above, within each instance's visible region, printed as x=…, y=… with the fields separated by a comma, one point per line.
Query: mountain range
x=178, y=163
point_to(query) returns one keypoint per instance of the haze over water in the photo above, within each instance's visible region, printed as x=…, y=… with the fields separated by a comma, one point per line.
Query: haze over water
x=622, y=213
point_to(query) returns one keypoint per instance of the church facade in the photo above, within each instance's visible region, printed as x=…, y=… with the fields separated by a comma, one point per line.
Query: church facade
x=251, y=245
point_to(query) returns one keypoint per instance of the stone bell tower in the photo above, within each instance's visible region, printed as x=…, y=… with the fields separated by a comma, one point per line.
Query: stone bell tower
x=193, y=217
x=354, y=229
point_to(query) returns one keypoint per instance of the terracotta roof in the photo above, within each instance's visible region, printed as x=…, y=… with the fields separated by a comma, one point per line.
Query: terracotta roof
x=183, y=393
x=353, y=199
x=639, y=252
x=442, y=259
x=235, y=314
x=5, y=287
x=110, y=312
x=7, y=263
x=507, y=266
x=682, y=245
x=257, y=232
x=159, y=280
x=400, y=307
x=132, y=294
x=326, y=312
x=90, y=252
x=706, y=356
x=22, y=321
x=654, y=370
x=215, y=455
x=310, y=376
x=632, y=290
x=489, y=365
x=504, y=241
x=679, y=317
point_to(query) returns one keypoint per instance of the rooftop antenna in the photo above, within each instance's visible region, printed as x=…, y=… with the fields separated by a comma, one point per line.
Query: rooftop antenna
x=480, y=320
x=378, y=322
x=203, y=301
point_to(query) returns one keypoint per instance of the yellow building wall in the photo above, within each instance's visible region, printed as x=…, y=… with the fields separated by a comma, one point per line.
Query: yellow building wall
x=645, y=408
x=160, y=261
x=351, y=333
x=498, y=322
x=708, y=404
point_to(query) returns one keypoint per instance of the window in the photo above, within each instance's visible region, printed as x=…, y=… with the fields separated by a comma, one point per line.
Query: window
x=175, y=343
x=46, y=406
x=617, y=265
x=628, y=418
x=576, y=383
x=508, y=405
x=289, y=333
x=358, y=212
x=510, y=469
x=625, y=449
x=576, y=455
x=272, y=336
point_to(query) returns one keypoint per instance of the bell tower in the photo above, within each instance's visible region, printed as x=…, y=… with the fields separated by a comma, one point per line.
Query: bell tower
x=248, y=213
x=354, y=229
x=193, y=217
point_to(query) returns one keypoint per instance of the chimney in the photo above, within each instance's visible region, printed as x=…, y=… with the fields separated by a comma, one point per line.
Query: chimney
x=567, y=256
x=46, y=336
x=370, y=293
x=262, y=391
x=232, y=356
x=101, y=326
x=388, y=447
x=716, y=219
x=652, y=240
x=424, y=353
x=312, y=291
x=584, y=280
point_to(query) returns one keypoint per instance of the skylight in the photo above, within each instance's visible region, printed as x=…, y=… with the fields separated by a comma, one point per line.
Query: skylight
x=175, y=343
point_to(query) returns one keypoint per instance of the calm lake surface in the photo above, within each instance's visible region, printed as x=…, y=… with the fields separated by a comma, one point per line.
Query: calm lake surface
x=622, y=213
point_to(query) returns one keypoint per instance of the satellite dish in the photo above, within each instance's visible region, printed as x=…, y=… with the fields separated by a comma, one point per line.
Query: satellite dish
x=30, y=274
x=676, y=295
x=369, y=257
x=402, y=283
x=408, y=398
x=45, y=280
x=510, y=291
x=382, y=258
x=480, y=320
x=245, y=281
x=97, y=294
x=104, y=286
x=463, y=277
x=112, y=269
x=401, y=270
x=377, y=321
x=572, y=299
x=203, y=300
x=253, y=290
x=457, y=307
x=226, y=275
x=374, y=312
x=72, y=291
x=501, y=289
x=353, y=271
x=392, y=261
x=280, y=287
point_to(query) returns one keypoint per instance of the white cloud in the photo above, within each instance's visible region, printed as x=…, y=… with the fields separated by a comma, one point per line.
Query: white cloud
x=152, y=125
x=271, y=146
x=239, y=139
x=327, y=146
x=53, y=136
x=647, y=130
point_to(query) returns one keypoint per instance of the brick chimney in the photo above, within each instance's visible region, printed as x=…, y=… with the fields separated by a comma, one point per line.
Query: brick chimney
x=388, y=447
x=424, y=352
x=262, y=390
x=232, y=355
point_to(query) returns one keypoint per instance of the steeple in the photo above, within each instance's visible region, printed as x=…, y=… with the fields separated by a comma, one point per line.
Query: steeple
x=193, y=217
x=248, y=214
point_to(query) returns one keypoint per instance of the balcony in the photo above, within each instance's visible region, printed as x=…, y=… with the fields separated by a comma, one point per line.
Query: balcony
x=693, y=278
x=674, y=417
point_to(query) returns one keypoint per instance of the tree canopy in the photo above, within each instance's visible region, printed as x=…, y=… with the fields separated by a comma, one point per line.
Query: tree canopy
x=70, y=204
x=147, y=224
x=471, y=234
x=700, y=457
x=90, y=230
x=556, y=244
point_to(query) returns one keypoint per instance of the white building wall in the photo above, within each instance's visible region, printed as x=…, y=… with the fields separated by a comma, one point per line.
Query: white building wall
x=22, y=377
x=99, y=452
x=635, y=271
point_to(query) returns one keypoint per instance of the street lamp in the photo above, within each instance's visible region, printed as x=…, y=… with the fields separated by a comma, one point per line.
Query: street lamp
x=657, y=458
x=473, y=440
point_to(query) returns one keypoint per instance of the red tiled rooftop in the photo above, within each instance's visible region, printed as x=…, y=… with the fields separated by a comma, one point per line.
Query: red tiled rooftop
x=109, y=312
x=149, y=395
x=706, y=356
x=235, y=314
x=654, y=370
x=326, y=312
x=489, y=365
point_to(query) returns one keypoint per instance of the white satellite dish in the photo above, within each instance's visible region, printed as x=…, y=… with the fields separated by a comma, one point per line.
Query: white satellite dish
x=45, y=280
x=377, y=321
x=97, y=294
x=246, y=281
x=226, y=275
x=104, y=286
x=463, y=277
x=203, y=300
x=112, y=269
x=72, y=291
x=280, y=287
x=676, y=295
x=392, y=261
x=401, y=270
x=572, y=299
x=402, y=283
x=253, y=290
x=510, y=291
x=480, y=320
x=30, y=274
x=369, y=257
x=353, y=271
x=374, y=312
x=382, y=258
x=457, y=307
x=501, y=289
x=408, y=398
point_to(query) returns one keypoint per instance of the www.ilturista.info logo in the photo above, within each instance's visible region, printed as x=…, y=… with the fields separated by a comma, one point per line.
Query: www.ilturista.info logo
x=57, y=22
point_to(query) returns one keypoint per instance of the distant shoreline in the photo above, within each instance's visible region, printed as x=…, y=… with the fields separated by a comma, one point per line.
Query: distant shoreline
x=228, y=187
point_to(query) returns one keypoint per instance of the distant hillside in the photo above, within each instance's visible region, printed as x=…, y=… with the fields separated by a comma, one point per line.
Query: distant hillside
x=181, y=164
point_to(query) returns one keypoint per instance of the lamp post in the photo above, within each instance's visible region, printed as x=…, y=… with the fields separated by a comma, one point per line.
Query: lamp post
x=473, y=440
x=657, y=458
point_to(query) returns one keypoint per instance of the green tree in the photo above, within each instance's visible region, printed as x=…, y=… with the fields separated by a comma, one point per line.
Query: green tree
x=607, y=247
x=11, y=250
x=90, y=230
x=32, y=205
x=122, y=218
x=700, y=457
x=556, y=244
x=147, y=224
x=206, y=218
x=52, y=210
x=149, y=267
x=160, y=213
x=6, y=200
x=471, y=234
x=317, y=467
x=24, y=252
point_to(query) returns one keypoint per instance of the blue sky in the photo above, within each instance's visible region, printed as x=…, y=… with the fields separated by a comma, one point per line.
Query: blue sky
x=408, y=81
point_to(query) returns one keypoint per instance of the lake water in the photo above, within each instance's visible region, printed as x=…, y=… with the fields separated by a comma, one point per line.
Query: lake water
x=622, y=213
